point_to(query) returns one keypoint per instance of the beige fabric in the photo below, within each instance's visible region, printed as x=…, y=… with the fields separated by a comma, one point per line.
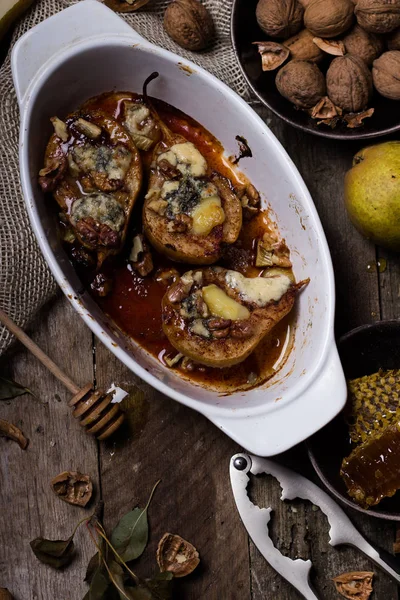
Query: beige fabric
x=25, y=281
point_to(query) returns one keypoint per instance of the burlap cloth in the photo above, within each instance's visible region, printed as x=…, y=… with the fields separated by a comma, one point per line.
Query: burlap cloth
x=25, y=280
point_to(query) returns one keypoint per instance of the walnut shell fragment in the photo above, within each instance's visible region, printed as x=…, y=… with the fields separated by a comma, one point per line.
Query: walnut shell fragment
x=386, y=74
x=325, y=109
x=355, y=120
x=176, y=555
x=279, y=18
x=189, y=24
x=349, y=83
x=356, y=585
x=273, y=55
x=73, y=487
x=334, y=47
x=12, y=432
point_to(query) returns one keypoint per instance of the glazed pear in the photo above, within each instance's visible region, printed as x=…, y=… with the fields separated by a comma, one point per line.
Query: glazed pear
x=190, y=212
x=217, y=317
x=372, y=193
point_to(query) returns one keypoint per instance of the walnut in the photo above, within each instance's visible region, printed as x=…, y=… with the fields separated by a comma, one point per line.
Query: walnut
x=386, y=74
x=333, y=47
x=279, y=18
x=329, y=18
x=273, y=55
x=393, y=40
x=356, y=585
x=349, y=83
x=176, y=555
x=378, y=16
x=302, y=47
x=189, y=24
x=73, y=487
x=301, y=82
x=363, y=44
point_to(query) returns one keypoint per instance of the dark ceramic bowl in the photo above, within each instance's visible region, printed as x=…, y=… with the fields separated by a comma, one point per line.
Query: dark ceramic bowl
x=244, y=31
x=363, y=351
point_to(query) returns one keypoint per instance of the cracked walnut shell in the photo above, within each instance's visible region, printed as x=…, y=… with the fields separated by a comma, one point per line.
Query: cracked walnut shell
x=378, y=16
x=329, y=18
x=176, y=555
x=189, y=24
x=349, y=83
x=356, y=585
x=301, y=82
x=386, y=74
x=279, y=18
x=73, y=487
x=273, y=55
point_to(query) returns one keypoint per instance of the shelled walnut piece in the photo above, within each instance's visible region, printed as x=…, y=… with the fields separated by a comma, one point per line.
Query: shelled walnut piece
x=73, y=487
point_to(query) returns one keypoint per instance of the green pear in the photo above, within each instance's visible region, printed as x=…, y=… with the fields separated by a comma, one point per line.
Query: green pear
x=372, y=193
x=10, y=10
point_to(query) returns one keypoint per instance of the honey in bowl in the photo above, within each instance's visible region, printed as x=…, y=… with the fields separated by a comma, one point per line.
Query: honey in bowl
x=150, y=258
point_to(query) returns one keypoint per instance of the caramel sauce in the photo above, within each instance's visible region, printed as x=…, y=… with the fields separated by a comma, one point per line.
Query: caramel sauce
x=134, y=302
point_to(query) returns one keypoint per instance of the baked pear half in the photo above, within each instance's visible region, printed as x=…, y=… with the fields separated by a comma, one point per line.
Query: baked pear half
x=190, y=212
x=217, y=317
x=94, y=171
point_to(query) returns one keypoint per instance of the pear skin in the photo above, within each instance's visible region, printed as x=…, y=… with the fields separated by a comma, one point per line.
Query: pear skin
x=372, y=193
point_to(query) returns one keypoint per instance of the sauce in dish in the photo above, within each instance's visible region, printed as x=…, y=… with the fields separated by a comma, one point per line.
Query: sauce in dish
x=170, y=239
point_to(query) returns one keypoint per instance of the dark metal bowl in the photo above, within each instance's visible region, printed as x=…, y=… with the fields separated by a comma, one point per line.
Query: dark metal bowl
x=363, y=351
x=244, y=31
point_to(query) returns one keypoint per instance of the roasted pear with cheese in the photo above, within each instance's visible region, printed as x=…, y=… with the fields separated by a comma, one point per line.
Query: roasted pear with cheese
x=189, y=212
x=217, y=317
x=94, y=171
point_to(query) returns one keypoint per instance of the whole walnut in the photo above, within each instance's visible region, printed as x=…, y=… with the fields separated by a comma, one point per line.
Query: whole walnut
x=386, y=74
x=301, y=82
x=393, y=40
x=189, y=24
x=329, y=18
x=363, y=44
x=279, y=18
x=349, y=83
x=302, y=47
x=378, y=16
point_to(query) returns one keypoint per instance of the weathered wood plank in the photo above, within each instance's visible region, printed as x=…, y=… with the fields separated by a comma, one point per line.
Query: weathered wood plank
x=28, y=507
x=389, y=280
x=164, y=440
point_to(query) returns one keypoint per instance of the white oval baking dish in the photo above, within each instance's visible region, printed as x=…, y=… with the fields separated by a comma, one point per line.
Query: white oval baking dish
x=87, y=49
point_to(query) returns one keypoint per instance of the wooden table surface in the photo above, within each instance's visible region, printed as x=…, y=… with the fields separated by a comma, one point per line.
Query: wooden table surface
x=163, y=440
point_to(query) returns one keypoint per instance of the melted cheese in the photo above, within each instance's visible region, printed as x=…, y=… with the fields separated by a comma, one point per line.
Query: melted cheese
x=258, y=290
x=169, y=187
x=207, y=215
x=186, y=158
x=221, y=305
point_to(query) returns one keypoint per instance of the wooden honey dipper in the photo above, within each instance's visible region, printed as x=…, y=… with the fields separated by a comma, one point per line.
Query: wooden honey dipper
x=93, y=408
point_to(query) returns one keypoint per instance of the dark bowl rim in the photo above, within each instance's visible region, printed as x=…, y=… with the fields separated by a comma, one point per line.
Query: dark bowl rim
x=377, y=514
x=318, y=132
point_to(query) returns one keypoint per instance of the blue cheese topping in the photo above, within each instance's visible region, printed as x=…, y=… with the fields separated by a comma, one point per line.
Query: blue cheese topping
x=100, y=207
x=186, y=158
x=258, y=290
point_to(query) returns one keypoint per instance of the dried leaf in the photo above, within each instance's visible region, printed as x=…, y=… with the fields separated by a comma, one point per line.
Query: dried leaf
x=5, y=594
x=11, y=389
x=73, y=487
x=12, y=432
x=94, y=564
x=176, y=555
x=130, y=536
x=99, y=586
x=56, y=553
x=356, y=585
